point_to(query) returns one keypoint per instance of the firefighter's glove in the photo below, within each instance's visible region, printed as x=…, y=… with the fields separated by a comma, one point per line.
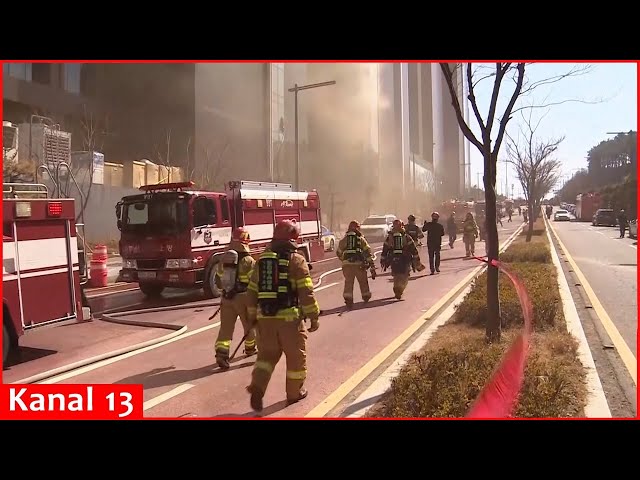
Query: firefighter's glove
x=315, y=325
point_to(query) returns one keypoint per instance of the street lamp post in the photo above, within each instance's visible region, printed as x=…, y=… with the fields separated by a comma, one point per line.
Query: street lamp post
x=297, y=88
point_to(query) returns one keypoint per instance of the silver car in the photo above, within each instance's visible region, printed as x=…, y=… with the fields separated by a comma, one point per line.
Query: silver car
x=376, y=227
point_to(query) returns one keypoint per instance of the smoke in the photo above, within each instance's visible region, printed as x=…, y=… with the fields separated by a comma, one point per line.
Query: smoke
x=344, y=140
x=231, y=123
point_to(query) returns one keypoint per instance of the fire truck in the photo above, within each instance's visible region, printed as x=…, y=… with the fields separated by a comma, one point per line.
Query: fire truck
x=586, y=206
x=39, y=259
x=172, y=235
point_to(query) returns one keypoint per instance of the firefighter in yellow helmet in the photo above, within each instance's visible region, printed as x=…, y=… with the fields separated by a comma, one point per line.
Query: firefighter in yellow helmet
x=280, y=297
x=232, y=277
x=355, y=253
x=400, y=252
x=469, y=234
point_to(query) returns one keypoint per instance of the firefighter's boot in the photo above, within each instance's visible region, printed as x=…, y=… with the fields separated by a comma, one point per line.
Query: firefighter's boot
x=250, y=348
x=303, y=395
x=256, y=398
x=222, y=359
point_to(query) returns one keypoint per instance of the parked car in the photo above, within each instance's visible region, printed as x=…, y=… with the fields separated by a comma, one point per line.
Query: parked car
x=633, y=228
x=604, y=216
x=329, y=239
x=561, y=216
x=376, y=227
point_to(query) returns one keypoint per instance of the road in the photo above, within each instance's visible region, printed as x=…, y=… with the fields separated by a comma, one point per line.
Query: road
x=610, y=265
x=181, y=378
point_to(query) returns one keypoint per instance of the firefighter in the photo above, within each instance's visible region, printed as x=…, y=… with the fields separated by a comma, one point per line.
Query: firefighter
x=435, y=232
x=622, y=222
x=280, y=297
x=414, y=230
x=469, y=235
x=232, y=277
x=452, y=229
x=400, y=252
x=355, y=253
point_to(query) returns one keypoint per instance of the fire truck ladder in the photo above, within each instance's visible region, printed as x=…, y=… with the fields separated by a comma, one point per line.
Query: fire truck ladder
x=60, y=192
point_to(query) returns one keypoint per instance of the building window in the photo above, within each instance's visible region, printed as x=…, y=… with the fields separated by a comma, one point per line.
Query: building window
x=277, y=102
x=72, y=77
x=21, y=71
x=41, y=73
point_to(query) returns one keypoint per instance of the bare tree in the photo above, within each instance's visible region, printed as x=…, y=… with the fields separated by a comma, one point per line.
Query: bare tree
x=95, y=131
x=163, y=155
x=494, y=124
x=209, y=174
x=535, y=168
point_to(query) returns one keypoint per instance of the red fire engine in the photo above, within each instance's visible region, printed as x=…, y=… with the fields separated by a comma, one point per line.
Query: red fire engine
x=39, y=257
x=172, y=234
x=586, y=206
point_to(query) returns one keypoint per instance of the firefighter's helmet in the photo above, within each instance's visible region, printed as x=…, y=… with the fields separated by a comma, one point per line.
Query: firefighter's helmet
x=354, y=226
x=241, y=235
x=286, y=230
x=411, y=218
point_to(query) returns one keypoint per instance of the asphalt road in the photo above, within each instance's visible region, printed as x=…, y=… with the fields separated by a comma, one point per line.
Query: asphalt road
x=610, y=265
x=181, y=379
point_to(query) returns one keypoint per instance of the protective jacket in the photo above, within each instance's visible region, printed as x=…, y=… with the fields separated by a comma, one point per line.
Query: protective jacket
x=354, y=249
x=400, y=251
x=281, y=286
x=414, y=231
x=243, y=273
x=470, y=228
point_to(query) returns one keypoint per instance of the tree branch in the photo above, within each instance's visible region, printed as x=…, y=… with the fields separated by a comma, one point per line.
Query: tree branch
x=448, y=76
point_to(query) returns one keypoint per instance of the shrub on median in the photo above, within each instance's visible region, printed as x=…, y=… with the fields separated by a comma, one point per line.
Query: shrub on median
x=541, y=282
x=445, y=378
x=537, y=252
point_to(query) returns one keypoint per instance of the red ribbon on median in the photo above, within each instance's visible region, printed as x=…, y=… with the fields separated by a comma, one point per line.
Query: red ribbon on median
x=499, y=397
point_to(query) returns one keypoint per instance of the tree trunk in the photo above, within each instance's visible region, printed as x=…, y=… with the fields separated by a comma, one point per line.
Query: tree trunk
x=531, y=206
x=493, y=328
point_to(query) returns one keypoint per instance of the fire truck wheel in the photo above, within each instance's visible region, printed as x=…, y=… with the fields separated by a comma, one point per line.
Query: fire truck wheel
x=151, y=290
x=209, y=286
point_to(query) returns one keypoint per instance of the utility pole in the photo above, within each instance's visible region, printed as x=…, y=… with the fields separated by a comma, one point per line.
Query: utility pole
x=478, y=186
x=506, y=174
x=297, y=88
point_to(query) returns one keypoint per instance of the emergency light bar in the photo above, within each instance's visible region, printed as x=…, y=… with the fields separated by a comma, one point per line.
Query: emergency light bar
x=54, y=209
x=167, y=186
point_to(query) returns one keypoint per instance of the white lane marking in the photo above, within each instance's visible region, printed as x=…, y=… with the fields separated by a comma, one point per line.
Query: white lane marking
x=124, y=356
x=326, y=286
x=167, y=396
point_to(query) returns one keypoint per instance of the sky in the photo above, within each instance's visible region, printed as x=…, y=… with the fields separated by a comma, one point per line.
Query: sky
x=613, y=88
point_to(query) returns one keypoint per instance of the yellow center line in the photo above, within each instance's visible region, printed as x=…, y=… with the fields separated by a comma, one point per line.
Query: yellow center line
x=627, y=356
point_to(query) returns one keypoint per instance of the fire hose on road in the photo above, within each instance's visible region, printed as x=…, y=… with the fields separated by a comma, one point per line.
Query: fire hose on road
x=113, y=316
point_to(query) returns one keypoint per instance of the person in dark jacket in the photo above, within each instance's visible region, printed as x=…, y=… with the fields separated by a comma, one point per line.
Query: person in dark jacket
x=435, y=232
x=622, y=222
x=452, y=229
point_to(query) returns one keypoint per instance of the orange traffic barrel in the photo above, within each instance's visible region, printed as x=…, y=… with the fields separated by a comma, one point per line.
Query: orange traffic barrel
x=99, y=254
x=98, y=272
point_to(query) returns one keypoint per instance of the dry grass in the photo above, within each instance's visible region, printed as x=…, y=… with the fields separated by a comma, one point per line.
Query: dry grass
x=446, y=376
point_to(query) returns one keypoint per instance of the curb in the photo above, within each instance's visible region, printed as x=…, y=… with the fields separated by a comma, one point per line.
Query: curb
x=597, y=406
x=380, y=385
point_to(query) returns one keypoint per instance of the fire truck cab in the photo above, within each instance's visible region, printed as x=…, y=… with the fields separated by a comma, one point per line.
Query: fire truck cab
x=172, y=234
x=39, y=259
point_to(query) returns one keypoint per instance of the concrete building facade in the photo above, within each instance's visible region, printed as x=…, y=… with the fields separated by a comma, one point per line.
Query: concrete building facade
x=383, y=139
